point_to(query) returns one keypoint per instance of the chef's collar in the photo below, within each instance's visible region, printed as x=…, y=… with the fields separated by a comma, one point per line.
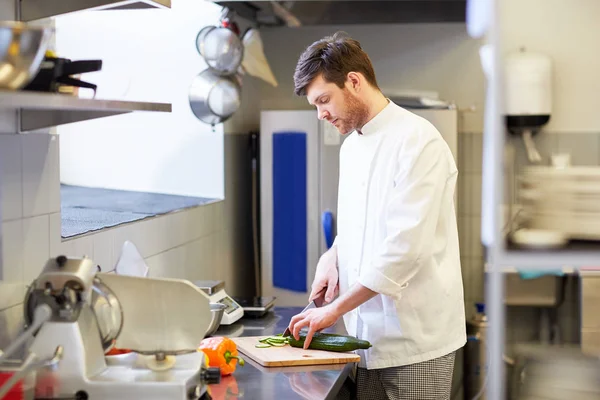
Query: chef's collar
x=377, y=122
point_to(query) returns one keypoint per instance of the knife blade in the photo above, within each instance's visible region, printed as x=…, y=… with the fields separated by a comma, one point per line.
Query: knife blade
x=317, y=302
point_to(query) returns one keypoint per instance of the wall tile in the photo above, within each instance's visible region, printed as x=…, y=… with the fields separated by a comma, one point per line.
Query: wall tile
x=11, y=324
x=464, y=228
x=476, y=279
x=590, y=341
x=200, y=258
x=590, y=302
x=466, y=270
x=546, y=144
x=143, y=234
x=197, y=218
x=12, y=294
x=36, y=245
x=583, y=147
x=56, y=247
x=103, y=250
x=476, y=248
x=474, y=181
x=41, y=170
x=168, y=264
x=82, y=246
x=177, y=224
x=472, y=147
x=12, y=251
x=464, y=194
x=10, y=177
x=462, y=150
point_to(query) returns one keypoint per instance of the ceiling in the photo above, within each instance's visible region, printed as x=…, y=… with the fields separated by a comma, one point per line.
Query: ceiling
x=345, y=12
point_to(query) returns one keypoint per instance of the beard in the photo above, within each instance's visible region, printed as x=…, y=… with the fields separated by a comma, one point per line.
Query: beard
x=355, y=115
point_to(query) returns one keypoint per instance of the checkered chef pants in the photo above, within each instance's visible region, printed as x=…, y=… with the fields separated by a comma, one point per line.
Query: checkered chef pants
x=428, y=380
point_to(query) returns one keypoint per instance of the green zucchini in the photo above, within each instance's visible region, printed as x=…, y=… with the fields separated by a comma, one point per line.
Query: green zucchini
x=330, y=342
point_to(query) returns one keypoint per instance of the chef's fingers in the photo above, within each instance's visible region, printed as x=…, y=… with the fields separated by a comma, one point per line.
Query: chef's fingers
x=293, y=322
x=298, y=326
x=331, y=286
x=316, y=290
x=309, y=335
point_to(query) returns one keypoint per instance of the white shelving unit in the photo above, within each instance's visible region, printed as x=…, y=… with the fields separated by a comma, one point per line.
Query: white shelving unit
x=43, y=110
x=502, y=256
x=38, y=110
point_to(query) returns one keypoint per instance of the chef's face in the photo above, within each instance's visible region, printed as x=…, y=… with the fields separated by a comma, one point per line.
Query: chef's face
x=341, y=107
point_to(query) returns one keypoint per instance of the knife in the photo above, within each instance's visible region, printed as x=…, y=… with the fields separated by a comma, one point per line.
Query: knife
x=317, y=302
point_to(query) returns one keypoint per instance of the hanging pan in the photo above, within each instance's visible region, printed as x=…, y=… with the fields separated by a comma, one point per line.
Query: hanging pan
x=214, y=98
x=221, y=48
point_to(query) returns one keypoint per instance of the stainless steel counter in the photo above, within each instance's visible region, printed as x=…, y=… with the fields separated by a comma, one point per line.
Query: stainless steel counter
x=317, y=382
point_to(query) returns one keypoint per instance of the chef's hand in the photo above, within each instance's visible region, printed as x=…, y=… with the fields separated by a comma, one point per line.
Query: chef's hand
x=316, y=319
x=326, y=276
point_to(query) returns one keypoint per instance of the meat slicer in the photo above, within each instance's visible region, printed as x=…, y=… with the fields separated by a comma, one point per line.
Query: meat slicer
x=75, y=315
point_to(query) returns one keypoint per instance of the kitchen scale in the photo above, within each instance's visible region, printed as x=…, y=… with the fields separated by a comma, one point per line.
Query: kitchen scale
x=216, y=293
x=256, y=307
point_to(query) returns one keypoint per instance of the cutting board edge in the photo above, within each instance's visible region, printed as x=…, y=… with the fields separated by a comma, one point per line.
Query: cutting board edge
x=308, y=361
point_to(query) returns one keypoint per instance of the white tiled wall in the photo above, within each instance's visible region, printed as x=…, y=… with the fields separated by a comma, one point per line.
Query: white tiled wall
x=192, y=244
x=469, y=217
x=177, y=244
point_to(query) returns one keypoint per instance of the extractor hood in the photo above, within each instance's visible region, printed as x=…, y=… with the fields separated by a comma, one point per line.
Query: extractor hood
x=343, y=12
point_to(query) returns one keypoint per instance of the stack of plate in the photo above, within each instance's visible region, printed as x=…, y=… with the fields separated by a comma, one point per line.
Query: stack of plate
x=564, y=200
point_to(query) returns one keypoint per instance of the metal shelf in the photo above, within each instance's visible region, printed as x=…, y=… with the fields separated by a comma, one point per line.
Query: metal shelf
x=38, y=9
x=42, y=110
x=576, y=255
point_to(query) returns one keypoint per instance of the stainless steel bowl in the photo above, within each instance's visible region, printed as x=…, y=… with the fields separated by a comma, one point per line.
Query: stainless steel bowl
x=221, y=48
x=22, y=49
x=216, y=312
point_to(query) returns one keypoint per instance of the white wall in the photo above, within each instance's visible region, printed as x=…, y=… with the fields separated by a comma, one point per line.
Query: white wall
x=568, y=32
x=148, y=55
x=190, y=244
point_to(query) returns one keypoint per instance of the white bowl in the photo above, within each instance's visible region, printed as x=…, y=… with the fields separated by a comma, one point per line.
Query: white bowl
x=539, y=238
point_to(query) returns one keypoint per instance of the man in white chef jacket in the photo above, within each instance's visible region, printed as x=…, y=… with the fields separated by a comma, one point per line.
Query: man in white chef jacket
x=395, y=260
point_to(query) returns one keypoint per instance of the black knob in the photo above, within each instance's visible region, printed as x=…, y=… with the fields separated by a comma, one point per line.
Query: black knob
x=61, y=261
x=212, y=375
x=81, y=395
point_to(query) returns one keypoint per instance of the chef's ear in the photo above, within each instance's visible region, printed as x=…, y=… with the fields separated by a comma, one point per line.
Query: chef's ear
x=354, y=79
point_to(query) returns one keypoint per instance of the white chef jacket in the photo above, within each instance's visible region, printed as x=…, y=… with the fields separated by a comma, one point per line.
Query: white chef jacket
x=397, y=235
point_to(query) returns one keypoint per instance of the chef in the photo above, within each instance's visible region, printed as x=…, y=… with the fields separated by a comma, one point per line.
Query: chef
x=395, y=260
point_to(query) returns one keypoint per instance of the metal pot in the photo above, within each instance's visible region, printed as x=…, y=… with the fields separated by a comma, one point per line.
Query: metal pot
x=22, y=49
x=214, y=98
x=221, y=48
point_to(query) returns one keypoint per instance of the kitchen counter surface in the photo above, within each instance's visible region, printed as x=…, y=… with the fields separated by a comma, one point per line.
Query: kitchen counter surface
x=253, y=381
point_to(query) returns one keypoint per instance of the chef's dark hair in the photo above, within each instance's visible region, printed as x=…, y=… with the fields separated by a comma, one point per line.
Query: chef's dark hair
x=334, y=57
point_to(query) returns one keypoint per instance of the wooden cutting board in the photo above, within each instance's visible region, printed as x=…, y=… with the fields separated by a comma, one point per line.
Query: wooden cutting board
x=288, y=355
